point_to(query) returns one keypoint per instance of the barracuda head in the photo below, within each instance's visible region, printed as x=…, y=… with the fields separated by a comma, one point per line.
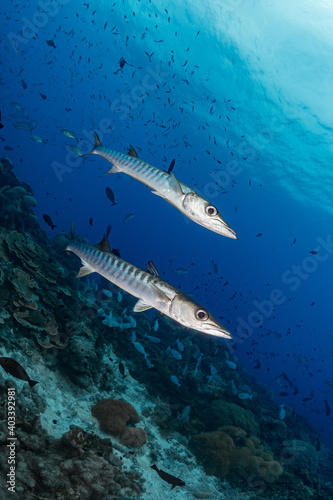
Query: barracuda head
x=190, y=314
x=205, y=214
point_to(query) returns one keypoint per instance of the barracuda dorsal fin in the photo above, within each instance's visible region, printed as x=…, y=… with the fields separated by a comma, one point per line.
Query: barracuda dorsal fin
x=151, y=268
x=104, y=244
x=141, y=305
x=97, y=140
x=84, y=271
x=132, y=152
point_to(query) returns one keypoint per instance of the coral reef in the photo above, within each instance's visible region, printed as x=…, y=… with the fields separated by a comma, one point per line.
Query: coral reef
x=60, y=327
x=133, y=437
x=220, y=413
x=228, y=452
x=67, y=468
x=114, y=414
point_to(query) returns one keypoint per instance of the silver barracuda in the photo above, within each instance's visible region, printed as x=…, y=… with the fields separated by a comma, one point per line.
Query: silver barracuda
x=166, y=185
x=149, y=288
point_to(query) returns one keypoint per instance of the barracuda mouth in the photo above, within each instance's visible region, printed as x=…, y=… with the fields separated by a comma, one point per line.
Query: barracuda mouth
x=226, y=230
x=217, y=330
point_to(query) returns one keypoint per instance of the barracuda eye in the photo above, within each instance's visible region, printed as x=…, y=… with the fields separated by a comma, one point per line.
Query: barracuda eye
x=201, y=314
x=211, y=210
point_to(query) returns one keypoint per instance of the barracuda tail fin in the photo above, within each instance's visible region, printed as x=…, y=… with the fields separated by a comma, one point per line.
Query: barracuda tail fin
x=96, y=145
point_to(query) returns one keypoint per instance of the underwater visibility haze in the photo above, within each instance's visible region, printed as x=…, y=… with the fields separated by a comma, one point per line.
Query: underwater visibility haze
x=183, y=151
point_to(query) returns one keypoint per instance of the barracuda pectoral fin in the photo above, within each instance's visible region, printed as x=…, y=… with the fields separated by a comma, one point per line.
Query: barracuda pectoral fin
x=158, y=194
x=174, y=186
x=84, y=271
x=141, y=306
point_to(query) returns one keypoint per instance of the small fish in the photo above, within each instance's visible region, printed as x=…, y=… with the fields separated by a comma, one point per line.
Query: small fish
x=43, y=96
x=128, y=217
x=231, y=364
x=155, y=327
x=282, y=412
x=181, y=270
x=76, y=150
x=121, y=367
x=110, y=195
x=174, y=353
x=327, y=409
x=149, y=363
x=214, y=266
x=259, y=234
x=213, y=373
x=185, y=415
x=108, y=293
x=37, y=138
x=180, y=345
x=68, y=133
x=16, y=370
x=175, y=481
x=119, y=297
x=122, y=62
x=244, y=395
x=314, y=252
x=48, y=221
x=197, y=365
x=90, y=221
x=108, y=230
x=156, y=340
x=16, y=105
x=24, y=85
x=139, y=347
x=175, y=380
x=24, y=126
x=284, y=393
x=1, y=125
x=50, y=43
x=172, y=164
x=233, y=388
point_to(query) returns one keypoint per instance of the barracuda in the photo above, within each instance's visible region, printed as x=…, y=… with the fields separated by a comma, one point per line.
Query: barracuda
x=167, y=186
x=148, y=288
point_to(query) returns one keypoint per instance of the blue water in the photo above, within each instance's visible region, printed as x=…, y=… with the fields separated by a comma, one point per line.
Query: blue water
x=205, y=84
